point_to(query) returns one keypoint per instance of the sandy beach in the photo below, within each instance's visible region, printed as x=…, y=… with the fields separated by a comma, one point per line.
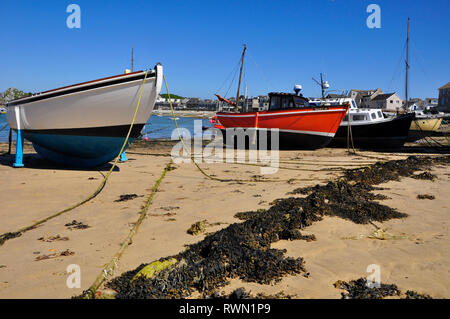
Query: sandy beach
x=416, y=255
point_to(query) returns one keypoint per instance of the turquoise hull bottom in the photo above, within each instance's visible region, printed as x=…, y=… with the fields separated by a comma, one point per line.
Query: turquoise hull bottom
x=77, y=151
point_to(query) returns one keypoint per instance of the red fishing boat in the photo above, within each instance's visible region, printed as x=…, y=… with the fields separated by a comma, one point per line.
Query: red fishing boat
x=299, y=124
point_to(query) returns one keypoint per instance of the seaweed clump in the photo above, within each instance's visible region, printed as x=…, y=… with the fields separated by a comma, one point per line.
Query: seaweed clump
x=197, y=228
x=241, y=293
x=126, y=197
x=76, y=225
x=392, y=170
x=238, y=251
x=358, y=289
x=8, y=236
x=425, y=196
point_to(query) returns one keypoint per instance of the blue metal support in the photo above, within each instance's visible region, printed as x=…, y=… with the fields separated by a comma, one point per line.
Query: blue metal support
x=123, y=157
x=19, y=150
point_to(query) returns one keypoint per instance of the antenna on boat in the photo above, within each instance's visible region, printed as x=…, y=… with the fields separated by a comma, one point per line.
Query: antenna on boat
x=407, y=67
x=240, y=76
x=323, y=84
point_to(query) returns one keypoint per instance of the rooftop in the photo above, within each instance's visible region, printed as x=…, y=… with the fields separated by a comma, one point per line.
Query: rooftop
x=382, y=96
x=447, y=86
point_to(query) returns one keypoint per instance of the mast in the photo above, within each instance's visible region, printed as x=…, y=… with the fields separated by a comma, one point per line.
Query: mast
x=321, y=85
x=407, y=68
x=132, y=59
x=240, y=76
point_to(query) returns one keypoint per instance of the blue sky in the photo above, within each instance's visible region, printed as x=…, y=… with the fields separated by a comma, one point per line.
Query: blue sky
x=199, y=44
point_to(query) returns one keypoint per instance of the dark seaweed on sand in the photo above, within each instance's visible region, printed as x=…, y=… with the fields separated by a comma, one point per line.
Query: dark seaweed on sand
x=243, y=250
x=358, y=289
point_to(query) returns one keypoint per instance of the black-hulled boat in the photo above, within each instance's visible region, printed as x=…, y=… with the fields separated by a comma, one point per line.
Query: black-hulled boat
x=370, y=128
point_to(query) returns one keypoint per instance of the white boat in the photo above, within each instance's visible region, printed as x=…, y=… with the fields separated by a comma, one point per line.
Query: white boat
x=86, y=124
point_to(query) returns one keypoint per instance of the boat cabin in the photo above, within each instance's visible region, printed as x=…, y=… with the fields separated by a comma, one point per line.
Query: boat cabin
x=282, y=101
x=357, y=115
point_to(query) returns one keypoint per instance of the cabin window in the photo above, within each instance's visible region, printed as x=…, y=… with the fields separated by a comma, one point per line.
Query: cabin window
x=286, y=102
x=275, y=102
x=300, y=102
x=374, y=116
x=379, y=114
x=359, y=117
x=354, y=104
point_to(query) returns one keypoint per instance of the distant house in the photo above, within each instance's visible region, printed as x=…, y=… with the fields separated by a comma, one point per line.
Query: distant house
x=388, y=102
x=363, y=98
x=444, y=98
x=415, y=105
x=431, y=102
x=263, y=102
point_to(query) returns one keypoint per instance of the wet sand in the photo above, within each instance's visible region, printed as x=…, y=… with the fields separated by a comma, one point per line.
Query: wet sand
x=417, y=258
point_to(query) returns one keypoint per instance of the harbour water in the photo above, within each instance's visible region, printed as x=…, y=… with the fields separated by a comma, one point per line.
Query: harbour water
x=157, y=127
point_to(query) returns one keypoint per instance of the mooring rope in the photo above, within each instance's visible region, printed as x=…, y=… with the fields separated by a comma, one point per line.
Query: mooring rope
x=11, y=235
x=110, y=267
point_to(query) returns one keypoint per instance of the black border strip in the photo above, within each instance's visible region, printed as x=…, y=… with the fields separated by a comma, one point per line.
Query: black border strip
x=80, y=89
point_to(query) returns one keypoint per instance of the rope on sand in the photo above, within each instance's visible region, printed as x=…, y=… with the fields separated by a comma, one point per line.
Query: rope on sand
x=109, y=269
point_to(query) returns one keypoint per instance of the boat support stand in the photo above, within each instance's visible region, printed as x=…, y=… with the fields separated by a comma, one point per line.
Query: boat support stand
x=19, y=141
x=123, y=157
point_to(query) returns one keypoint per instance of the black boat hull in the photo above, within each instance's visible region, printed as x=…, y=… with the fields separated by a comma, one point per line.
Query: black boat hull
x=388, y=134
x=286, y=141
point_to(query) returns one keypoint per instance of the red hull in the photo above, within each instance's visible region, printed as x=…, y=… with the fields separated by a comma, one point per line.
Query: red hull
x=305, y=127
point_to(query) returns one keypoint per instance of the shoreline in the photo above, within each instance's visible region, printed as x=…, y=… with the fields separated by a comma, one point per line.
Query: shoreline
x=187, y=113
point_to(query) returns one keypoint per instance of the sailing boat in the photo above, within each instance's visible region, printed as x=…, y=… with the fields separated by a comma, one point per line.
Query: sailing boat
x=300, y=125
x=425, y=124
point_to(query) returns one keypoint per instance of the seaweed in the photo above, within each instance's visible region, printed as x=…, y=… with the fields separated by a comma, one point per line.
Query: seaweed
x=415, y=295
x=425, y=176
x=8, y=236
x=243, y=250
x=76, y=225
x=126, y=197
x=425, y=196
x=197, y=228
x=358, y=289
x=241, y=293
